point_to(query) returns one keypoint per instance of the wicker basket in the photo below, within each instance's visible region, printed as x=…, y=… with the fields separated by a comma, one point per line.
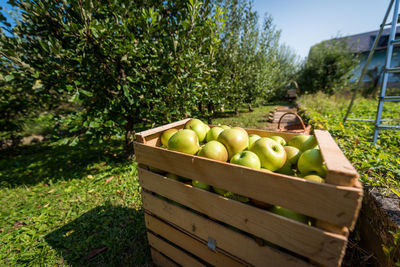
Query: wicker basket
x=294, y=128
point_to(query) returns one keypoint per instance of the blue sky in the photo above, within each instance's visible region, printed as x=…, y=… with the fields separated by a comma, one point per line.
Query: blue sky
x=307, y=22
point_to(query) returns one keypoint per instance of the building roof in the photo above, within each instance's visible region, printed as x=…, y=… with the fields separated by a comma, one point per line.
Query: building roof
x=363, y=42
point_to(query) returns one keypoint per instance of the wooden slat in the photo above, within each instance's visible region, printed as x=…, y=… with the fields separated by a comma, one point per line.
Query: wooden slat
x=311, y=242
x=147, y=135
x=263, y=133
x=189, y=243
x=228, y=240
x=172, y=252
x=330, y=203
x=160, y=260
x=340, y=170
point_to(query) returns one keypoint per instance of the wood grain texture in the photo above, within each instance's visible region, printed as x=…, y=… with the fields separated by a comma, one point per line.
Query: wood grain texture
x=233, y=242
x=321, y=246
x=190, y=244
x=174, y=253
x=147, y=135
x=160, y=260
x=340, y=170
x=330, y=203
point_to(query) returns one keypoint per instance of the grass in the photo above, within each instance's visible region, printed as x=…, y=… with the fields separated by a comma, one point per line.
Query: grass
x=378, y=164
x=256, y=119
x=77, y=206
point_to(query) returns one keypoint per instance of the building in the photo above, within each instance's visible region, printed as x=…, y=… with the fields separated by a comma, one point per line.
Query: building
x=362, y=44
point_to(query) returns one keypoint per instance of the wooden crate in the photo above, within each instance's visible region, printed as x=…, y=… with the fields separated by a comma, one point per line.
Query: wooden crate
x=190, y=226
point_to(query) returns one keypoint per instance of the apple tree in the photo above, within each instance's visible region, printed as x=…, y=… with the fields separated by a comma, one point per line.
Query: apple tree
x=127, y=64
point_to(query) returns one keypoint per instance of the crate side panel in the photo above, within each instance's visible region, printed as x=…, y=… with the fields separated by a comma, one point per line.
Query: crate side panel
x=231, y=241
x=172, y=252
x=330, y=203
x=160, y=260
x=189, y=243
x=311, y=242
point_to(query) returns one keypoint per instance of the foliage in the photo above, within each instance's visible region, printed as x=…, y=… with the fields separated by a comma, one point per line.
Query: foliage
x=328, y=68
x=118, y=60
x=391, y=251
x=377, y=163
x=70, y=206
x=252, y=64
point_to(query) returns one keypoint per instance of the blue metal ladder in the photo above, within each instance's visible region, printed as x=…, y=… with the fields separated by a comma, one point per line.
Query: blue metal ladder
x=387, y=70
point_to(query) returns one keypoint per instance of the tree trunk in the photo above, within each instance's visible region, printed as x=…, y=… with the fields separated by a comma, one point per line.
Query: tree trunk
x=129, y=137
x=200, y=107
x=210, y=109
x=250, y=108
x=236, y=111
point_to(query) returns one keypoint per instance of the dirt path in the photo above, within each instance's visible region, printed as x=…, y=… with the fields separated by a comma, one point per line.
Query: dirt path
x=277, y=113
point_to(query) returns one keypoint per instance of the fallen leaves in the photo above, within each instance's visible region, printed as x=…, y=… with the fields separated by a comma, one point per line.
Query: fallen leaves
x=95, y=252
x=109, y=179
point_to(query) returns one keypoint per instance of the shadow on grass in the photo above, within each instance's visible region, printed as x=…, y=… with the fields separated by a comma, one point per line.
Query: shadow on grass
x=37, y=163
x=104, y=236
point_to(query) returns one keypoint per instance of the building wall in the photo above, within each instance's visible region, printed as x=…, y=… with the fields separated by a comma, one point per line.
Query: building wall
x=378, y=60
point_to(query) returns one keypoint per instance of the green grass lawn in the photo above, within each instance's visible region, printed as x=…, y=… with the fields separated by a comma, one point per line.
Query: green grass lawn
x=378, y=164
x=78, y=206
x=255, y=120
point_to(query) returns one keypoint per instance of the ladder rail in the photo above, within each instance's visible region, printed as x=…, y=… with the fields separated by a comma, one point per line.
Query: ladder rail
x=388, y=62
x=371, y=53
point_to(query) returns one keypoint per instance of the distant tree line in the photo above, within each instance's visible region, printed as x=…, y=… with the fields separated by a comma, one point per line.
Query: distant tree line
x=129, y=64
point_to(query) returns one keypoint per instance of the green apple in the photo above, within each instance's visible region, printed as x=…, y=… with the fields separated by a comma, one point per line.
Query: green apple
x=230, y=195
x=292, y=154
x=156, y=170
x=177, y=177
x=213, y=133
x=185, y=141
x=241, y=129
x=271, y=154
x=311, y=162
x=166, y=135
x=286, y=169
x=234, y=140
x=214, y=150
x=303, y=142
x=252, y=139
x=207, y=128
x=199, y=127
x=279, y=139
x=224, y=126
x=289, y=214
x=246, y=158
x=201, y=185
x=315, y=178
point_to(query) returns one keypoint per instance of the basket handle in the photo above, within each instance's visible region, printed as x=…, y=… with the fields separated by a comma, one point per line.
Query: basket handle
x=293, y=113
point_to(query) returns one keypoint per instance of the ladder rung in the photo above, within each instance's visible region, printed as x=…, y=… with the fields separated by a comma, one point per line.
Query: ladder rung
x=393, y=70
x=388, y=127
x=391, y=98
x=371, y=120
x=395, y=42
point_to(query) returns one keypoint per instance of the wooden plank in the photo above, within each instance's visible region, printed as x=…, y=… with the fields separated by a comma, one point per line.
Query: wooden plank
x=151, y=133
x=329, y=203
x=231, y=241
x=190, y=244
x=172, y=252
x=340, y=170
x=311, y=242
x=160, y=260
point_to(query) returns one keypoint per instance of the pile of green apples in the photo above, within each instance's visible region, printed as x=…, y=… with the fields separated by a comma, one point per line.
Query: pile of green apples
x=299, y=157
